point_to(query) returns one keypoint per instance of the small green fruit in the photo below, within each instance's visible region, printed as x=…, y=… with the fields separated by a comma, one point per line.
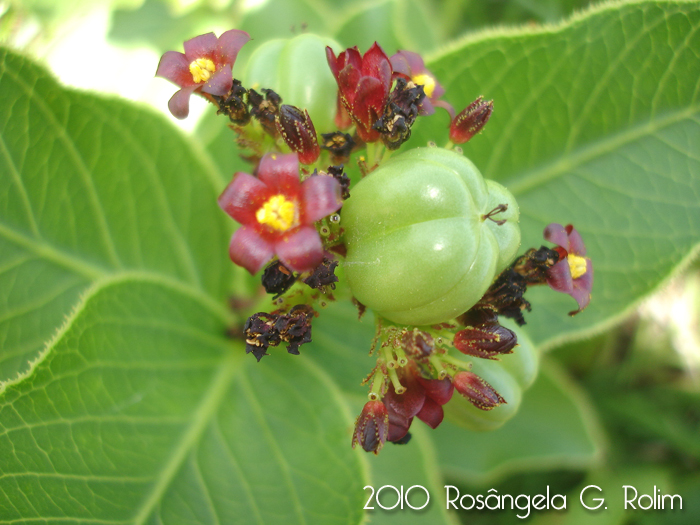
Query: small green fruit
x=419, y=247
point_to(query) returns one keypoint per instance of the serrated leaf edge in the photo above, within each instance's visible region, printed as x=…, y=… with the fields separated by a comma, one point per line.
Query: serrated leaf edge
x=579, y=16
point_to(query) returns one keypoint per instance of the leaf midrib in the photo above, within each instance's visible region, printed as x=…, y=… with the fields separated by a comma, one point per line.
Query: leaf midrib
x=96, y=273
x=203, y=414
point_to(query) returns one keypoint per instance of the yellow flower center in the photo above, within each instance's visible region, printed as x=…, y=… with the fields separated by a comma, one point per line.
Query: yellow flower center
x=201, y=69
x=577, y=265
x=427, y=82
x=278, y=212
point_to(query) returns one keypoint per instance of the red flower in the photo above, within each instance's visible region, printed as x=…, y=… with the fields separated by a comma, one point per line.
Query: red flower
x=364, y=83
x=206, y=66
x=411, y=66
x=573, y=274
x=278, y=212
x=422, y=398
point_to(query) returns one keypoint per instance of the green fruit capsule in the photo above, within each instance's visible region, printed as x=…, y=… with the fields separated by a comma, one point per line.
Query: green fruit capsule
x=420, y=249
x=297, y=70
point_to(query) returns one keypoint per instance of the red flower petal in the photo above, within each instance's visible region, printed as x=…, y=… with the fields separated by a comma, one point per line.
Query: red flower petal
x=229, y=44
x=410, y=402
x=174, y=66
x=431, y=413
x=559, y=277
x=249, y=250
x=333, y=62
x=376, y=64
x=281, y=173
x=320, y=196
x=220, y=82
x=400, y=64
x=243, y=197
x=398, y=426
x=439, y=390
x=348, y=79
x=202, y=46
x=557, y=234
x=575, y=245
x=342, y=117
x=300, y=250
x=582, y=288
x=179, y=103
x=369, y=104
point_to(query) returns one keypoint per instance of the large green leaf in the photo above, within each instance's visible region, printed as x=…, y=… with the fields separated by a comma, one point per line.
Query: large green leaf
x=596, y=124
x=136, y=407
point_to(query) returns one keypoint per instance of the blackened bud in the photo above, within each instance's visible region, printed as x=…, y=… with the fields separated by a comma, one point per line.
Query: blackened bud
x=294, y=328
x=234, y=105
x=534, y=264
x=265, y=109
x=277, y=278
x=487, y=341
x=477, y=391
x=371, y=427
x=470, y=121
x=344, y=181
x=298, y=133
x=260, y=333
x=323, y=275
x=400, y=113
x=505, y=295
x=339, y=144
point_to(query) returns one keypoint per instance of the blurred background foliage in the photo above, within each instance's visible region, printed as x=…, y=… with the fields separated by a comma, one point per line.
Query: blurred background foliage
x=636, y=386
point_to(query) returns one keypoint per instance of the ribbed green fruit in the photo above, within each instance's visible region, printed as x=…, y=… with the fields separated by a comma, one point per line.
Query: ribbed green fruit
x=419, y=250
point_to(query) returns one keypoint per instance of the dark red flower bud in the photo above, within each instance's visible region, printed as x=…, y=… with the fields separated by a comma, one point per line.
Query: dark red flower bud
x=371, y=427
x=298, y=132
x=477, y=391
x=487, y=341
x=470, y=121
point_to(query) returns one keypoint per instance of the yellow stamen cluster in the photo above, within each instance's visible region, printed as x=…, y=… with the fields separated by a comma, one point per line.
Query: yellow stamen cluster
x=278, y=212
x=427, y=82
x=577, y=265
x=201, y=69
